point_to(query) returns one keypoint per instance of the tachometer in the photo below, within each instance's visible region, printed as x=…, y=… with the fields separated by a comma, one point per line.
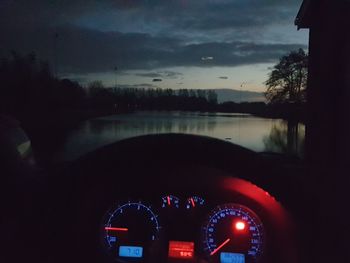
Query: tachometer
x=233, y=233
x=130, y=231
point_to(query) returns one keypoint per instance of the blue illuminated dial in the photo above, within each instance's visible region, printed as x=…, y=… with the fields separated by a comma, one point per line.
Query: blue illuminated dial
x=130, y=229
x=194, y=201
x=170, y=201
x=233, y=229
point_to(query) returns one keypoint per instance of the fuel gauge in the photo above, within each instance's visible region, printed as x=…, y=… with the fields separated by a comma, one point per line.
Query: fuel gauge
x=194, y=201
x=170, y=201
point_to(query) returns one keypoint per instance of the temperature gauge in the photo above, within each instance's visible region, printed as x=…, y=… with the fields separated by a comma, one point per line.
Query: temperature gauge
x=194, y=201
x=170, y=201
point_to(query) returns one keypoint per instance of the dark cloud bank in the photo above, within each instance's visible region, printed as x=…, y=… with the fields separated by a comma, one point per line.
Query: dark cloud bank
x=44, y=27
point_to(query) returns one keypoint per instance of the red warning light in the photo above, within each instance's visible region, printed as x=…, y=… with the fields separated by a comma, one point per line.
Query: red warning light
x=240, y=225
x=181, y=249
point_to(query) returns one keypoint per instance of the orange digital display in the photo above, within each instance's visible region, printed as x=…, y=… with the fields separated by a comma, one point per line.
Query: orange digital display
x=181, y=249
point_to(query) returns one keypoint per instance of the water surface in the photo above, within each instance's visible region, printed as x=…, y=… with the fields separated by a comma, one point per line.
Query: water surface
x=255, y=133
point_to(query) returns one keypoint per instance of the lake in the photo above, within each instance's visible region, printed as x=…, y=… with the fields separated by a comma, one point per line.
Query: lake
x=255, y=133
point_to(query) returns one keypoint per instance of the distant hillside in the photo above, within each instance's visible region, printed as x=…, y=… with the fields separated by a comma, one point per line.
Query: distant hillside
x=239, y=95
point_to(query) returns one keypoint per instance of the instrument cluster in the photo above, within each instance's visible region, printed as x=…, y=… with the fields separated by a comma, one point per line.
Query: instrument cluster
x=182, y=230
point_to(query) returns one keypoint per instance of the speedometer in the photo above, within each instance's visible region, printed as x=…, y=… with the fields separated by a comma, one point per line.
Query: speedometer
x=233, y=233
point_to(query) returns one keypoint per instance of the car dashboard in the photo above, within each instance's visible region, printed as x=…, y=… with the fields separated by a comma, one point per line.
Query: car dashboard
x=176, y=228
x=127, y=203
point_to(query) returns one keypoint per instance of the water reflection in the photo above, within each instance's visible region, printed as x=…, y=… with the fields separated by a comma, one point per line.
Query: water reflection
x=110, y=127
x=287, y=138
x=258, y=134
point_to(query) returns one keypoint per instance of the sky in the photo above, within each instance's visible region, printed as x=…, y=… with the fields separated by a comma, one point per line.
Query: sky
x=198, y=44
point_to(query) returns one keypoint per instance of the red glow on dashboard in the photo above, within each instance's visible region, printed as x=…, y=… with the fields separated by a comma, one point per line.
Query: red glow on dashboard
x=181, y=249
x=259, y=195
x=116, y=228
x=279, y=217
x=239, y=225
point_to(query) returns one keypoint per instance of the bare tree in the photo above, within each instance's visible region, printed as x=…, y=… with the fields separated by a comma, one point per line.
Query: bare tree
x=287, y=80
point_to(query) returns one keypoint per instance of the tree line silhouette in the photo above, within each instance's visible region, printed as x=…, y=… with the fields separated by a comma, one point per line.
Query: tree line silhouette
x=28, y=87
x=30, y=91
x=126, y=99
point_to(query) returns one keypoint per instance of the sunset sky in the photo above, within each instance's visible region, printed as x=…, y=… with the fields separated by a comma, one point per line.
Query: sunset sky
x=185, y=43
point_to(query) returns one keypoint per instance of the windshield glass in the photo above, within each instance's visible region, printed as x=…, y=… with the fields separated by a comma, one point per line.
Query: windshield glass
x=82, y=74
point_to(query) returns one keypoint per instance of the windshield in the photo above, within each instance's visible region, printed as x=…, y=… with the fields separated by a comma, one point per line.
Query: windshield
x=82, y=74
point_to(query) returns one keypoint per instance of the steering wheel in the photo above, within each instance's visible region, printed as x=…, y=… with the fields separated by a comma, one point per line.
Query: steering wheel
x=71, y=198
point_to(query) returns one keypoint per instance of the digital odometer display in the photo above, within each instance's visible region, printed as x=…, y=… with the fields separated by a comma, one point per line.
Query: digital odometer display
x=130, y=251
x=233, y=228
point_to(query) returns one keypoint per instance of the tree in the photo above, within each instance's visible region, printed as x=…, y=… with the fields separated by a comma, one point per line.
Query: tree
x=287, y=80
x=26, y=84
x=95, y=87
x=212, y=97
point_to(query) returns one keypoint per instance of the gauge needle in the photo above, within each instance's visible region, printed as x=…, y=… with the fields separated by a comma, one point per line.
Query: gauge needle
x=219, y=247
x=168, y=198
x=192, y=202
x=116, y=228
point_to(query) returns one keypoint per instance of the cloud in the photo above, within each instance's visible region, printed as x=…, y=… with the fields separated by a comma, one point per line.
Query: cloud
x=97, y=36
x=81, y=50
x=139, y=86
x=151, y=16
x=238, y=14
x=160, y=74
x=207, y=58
x=149, y=75
x=171, y=74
